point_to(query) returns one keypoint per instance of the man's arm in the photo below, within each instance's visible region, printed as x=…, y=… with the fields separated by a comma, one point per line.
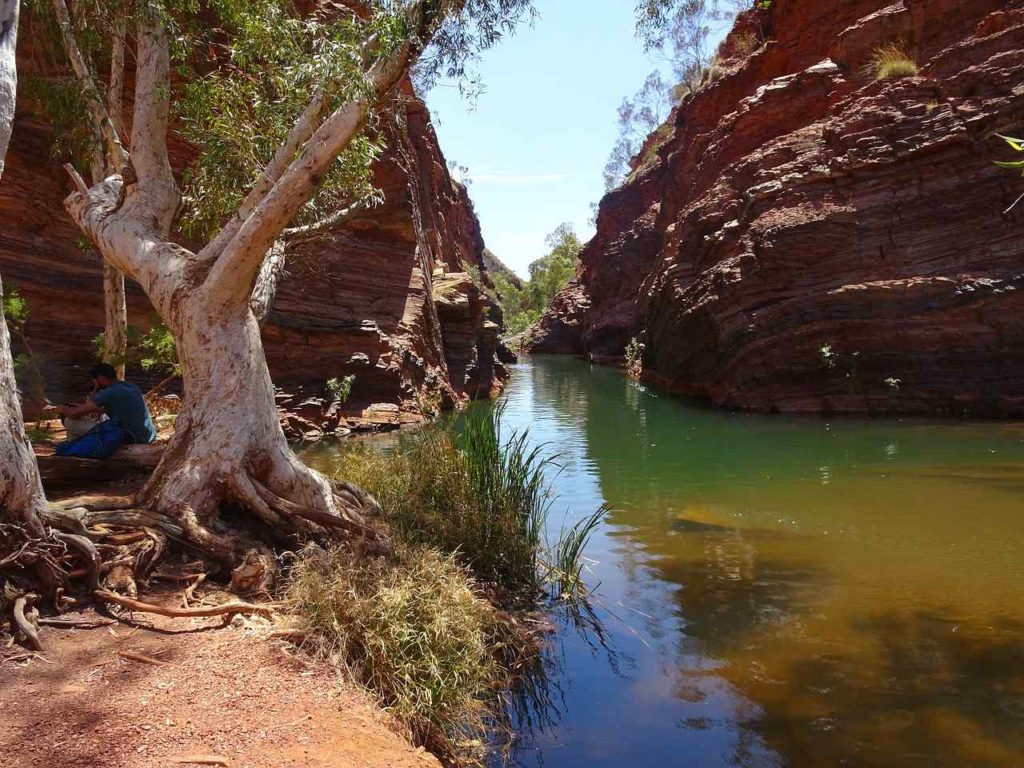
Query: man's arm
x=74, y=411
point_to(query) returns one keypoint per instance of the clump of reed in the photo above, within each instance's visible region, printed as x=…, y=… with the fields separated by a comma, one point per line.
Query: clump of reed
x=891, y=60
x=470, y=491
x=467, y=507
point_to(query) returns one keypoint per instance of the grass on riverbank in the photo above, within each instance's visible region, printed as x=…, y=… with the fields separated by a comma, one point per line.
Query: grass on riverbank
x=410, y=627
x=467, y=511
x=473, y=492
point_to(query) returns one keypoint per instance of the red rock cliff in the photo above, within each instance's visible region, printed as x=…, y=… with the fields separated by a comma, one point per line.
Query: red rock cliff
x=806, y=238
x=387, y=297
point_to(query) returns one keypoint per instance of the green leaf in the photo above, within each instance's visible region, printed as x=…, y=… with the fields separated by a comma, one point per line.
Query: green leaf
x=1017, y=144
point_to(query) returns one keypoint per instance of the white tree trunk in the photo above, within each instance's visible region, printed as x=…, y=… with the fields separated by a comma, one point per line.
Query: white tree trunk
x=228, y=446
x=115, y=327
x=21, y=491
x=8, y=72
x=115, y=309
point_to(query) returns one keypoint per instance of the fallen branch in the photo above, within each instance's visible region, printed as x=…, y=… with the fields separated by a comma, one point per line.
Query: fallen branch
x=19, y=657
x=77, y=623
x=134, y=656
x=233, y=607
x=201, y=760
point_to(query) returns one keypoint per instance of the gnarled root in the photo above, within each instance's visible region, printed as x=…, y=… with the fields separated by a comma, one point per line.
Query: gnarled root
x=114, y=543
x=22, y=607
x=232, y=608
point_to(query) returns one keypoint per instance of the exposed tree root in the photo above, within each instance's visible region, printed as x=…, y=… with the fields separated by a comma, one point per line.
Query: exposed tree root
x=112, y=545
x=231, y=608
x=23, y=623
x=190, y=592
x=88, y=550
x=96, y=623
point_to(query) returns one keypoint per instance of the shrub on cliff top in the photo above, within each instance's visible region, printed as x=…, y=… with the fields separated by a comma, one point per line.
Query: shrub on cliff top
x=891, y=60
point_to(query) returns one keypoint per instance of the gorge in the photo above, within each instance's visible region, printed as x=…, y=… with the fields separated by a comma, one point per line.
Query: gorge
x=802, y=236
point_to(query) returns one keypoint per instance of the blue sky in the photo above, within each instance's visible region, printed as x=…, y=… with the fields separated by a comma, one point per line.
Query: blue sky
x=536, y=140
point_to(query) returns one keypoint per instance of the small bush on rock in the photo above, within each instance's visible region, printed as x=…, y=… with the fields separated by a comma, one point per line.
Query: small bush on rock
x=634, y=359
x=891, y=60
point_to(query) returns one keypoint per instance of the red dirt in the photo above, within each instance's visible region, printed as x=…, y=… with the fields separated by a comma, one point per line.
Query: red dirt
x=223, y=691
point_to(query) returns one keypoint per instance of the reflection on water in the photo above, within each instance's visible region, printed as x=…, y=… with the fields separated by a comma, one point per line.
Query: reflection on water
x=782, y=592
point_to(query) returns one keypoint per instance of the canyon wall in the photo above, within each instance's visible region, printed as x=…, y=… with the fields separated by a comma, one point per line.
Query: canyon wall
x=394, y=297
x=803, y=237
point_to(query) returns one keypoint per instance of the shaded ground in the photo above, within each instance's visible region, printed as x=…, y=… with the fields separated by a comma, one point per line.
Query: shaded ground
x=222, y=692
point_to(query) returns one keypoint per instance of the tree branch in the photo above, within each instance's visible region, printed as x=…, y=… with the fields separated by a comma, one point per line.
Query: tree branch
x=266, y=281
x=156, y=190
x=234, y=273
x=102, y=127
x=301, y=234
x=305, y=124
x=115, y=88
x=302, y=129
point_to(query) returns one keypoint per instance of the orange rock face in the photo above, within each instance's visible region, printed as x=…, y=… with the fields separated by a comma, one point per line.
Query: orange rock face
x=811, y=239
x=361, y=301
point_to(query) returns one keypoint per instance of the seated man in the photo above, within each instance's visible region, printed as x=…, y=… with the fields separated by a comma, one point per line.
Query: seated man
x=122, y=402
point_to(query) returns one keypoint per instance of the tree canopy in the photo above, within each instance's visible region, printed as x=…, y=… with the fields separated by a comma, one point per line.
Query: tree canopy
x=523, y=305
x=245, y=69
x=680, y=32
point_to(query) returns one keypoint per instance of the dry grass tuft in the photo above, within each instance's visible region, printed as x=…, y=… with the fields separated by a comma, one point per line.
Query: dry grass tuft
x=468, y=508
x=411, y=629
x=891, y=60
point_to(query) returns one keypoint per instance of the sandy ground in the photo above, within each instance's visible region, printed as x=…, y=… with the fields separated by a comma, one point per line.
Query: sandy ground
x=223, y=692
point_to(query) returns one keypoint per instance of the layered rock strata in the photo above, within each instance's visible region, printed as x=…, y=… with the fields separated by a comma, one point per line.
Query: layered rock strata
x=804, y=237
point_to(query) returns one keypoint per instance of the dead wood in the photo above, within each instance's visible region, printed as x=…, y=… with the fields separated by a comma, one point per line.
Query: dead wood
x=234, y=607
x=201, y=760
x=88, y=550
x=94, y=623
x=141, y=657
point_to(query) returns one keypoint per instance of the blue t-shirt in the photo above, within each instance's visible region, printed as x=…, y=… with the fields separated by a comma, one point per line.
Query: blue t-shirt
x=124, y=403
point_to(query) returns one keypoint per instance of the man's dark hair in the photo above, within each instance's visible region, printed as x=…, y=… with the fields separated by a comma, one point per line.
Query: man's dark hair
x=103, y=369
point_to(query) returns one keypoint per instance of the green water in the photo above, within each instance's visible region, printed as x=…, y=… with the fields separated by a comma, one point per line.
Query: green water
x=778, y=591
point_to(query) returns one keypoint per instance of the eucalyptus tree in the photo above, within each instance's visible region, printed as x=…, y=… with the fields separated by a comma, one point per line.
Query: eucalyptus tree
x=680, y=32
x=639, y=116
x=21, y=493
x=26, y=543
x=276, y=103
x=96, y=33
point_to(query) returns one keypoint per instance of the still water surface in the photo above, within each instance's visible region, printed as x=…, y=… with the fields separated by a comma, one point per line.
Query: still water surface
x=780, y=591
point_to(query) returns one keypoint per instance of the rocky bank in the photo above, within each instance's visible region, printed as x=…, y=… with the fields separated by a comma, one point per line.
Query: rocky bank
x=803, y=237
x=395, y=297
